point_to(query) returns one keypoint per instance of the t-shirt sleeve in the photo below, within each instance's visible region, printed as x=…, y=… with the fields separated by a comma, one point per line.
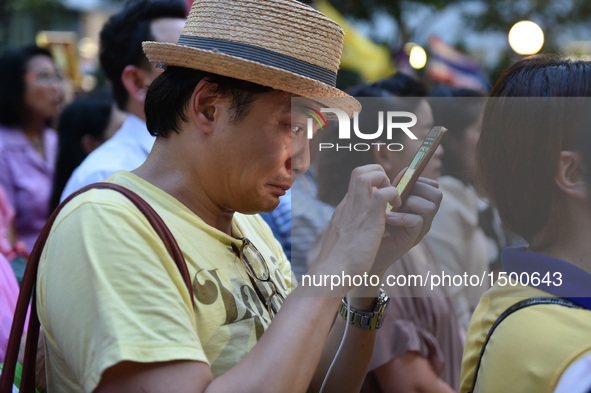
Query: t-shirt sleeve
x=105, y=265
x=399, y=335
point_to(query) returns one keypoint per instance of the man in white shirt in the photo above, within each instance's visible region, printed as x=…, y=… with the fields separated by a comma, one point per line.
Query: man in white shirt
x=130, y=74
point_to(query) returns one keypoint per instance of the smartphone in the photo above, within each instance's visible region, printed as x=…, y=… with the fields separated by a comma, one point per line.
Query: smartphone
x=419, y=162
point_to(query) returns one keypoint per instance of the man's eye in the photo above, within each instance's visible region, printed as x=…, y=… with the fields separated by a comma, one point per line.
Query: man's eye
x=297, y=130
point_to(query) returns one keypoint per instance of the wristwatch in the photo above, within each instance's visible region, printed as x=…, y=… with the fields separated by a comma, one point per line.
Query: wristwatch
x=363, y=319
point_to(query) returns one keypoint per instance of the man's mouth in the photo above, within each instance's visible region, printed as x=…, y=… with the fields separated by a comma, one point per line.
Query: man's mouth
x=280, y=188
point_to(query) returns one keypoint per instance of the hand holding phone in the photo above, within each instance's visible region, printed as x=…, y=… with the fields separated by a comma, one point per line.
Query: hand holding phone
x=419, y=162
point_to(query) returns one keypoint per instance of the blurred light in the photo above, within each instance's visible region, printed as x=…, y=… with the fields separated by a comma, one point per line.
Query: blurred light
x=88, y=83
x=408, y=47
x=41, y=39
x=526, y=38
x=417, y=57
x=88, y=48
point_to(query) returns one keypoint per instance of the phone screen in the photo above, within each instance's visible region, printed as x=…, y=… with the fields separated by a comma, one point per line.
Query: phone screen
x=419, y=162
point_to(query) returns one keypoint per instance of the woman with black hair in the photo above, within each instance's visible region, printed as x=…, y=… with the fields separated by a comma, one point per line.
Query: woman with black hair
x=84, y=125
x=535, y=320
x=30, y=96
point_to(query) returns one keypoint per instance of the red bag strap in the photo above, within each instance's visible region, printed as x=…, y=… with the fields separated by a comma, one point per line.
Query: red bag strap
x=27, y=291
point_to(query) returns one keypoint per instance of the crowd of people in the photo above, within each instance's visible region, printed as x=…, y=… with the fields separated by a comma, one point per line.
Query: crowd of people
x=207, y=120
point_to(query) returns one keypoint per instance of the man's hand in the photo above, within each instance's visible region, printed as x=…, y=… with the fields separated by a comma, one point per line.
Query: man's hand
x=407, y=226
x=351, y=242
x=353, y=236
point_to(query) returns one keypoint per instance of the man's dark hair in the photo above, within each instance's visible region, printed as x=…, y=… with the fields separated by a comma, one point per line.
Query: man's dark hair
x=122, y=36
x=13, y=67
x=169, y=95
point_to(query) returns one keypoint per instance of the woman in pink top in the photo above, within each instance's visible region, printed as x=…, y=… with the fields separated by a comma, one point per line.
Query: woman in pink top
x=8, y=284
x=30, y=96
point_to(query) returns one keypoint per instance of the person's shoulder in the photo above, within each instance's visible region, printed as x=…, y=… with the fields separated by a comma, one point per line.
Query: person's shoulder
x=546, y=336
x=50, y=133
x=459, y=204
x=102, y=159
x=111, y=149
x=457, y=190
x=121, y=147
x=100, y=205
x=132, y=136
x=93, y=169
x=533, y=324
x=11, y=138
x=107, y=159
x=104, y=195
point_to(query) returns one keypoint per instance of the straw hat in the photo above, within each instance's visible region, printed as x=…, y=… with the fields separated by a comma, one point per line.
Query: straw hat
x=283, y=44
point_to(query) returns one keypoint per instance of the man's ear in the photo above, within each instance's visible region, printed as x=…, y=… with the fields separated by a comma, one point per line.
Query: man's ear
x=204, y=107
x=136, y=82
x=570, y=176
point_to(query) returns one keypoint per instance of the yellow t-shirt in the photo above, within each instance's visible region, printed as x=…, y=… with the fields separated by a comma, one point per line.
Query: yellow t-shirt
x=109, y=292
x=529, y=350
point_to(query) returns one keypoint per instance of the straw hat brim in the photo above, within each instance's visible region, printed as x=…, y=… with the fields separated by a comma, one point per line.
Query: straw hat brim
x=235, y=67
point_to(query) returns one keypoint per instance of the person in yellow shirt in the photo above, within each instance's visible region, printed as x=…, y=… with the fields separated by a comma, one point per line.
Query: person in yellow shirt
x=115, y=311
x=535, y=320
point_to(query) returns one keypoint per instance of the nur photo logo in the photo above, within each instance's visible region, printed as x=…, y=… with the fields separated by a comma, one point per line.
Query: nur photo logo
x=388, y=122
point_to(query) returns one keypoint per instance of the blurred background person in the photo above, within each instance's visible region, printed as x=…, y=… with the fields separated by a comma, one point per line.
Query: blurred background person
x=84, y=125
x=130, y=73
x=419, y=346
x=30, y=97
x=8, y=297
x=14, y=251
x=9, y=286
x=531, y=172
x=577, y=377
x=12, y=255
x=457, y=236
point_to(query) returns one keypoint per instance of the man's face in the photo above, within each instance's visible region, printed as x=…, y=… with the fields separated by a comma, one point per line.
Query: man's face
x=255, y=160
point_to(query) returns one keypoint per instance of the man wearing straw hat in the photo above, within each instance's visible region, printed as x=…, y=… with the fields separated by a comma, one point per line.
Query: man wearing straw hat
x=122, y=319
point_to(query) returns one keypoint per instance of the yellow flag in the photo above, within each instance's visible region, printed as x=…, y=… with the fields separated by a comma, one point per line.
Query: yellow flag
x=360, y=54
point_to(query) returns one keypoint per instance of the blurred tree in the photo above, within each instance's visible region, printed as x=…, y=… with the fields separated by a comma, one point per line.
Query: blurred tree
x=22, y=5
x=367, y=9
x=36, y=14
x=554, y=17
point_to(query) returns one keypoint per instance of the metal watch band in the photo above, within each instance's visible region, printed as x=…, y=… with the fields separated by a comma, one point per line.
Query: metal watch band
x=368, y=320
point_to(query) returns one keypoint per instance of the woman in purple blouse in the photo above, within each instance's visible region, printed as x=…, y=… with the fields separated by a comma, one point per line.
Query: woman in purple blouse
x=30, y=96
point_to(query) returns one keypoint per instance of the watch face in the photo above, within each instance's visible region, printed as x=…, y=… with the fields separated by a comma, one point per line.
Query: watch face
x=366, y=320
